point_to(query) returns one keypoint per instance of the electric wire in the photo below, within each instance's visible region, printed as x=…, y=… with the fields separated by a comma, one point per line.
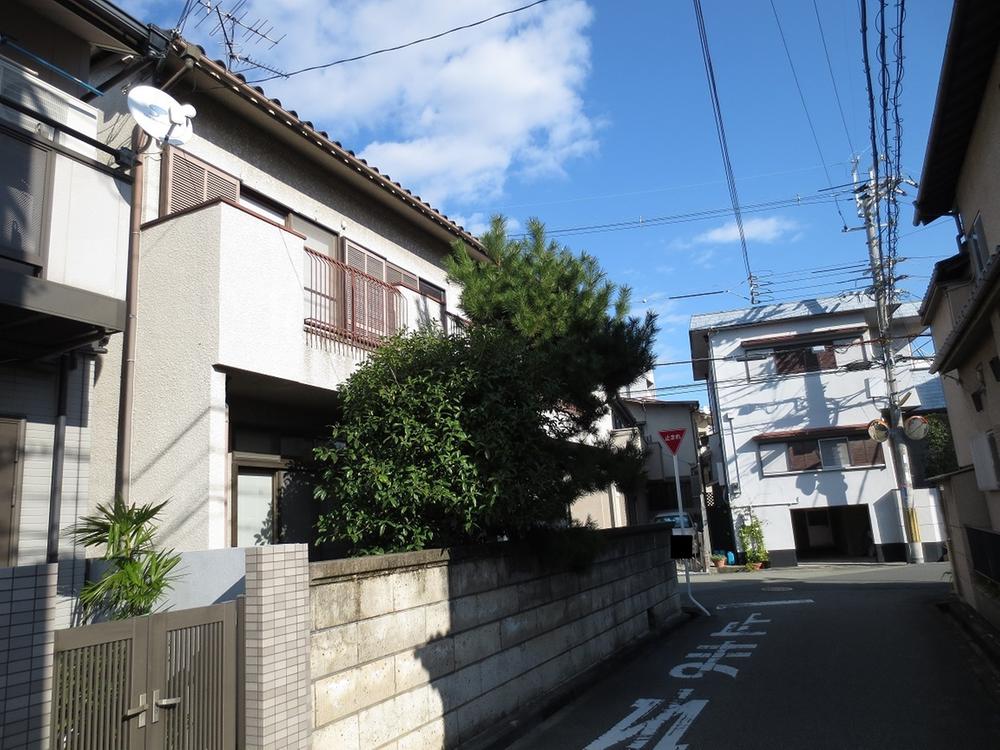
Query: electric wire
x=681, y=218
x=398, y=47
x=833, y=78
x=805, y=108
x=723, y=144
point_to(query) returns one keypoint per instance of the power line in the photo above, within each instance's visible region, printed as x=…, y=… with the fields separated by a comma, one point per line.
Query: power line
x=699, y=215
x=397, y=47
x=833, y=78
x=802, y=98
x=723, y=144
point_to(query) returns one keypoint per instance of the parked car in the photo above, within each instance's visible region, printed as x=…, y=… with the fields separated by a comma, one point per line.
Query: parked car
x=677, y=521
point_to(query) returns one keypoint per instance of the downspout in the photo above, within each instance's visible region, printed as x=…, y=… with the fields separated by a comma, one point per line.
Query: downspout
x=58, y=461
x=123, y=453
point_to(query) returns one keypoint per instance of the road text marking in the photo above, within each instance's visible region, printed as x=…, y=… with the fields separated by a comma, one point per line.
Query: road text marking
x=775, y=603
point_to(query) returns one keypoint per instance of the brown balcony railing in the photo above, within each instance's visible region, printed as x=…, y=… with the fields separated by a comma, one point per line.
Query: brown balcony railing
x=346, y=304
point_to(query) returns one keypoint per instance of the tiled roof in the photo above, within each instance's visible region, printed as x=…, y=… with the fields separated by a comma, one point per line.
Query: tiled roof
x=239, y=84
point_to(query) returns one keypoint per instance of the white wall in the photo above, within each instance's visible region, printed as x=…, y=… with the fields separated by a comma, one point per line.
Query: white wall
x=88, y=230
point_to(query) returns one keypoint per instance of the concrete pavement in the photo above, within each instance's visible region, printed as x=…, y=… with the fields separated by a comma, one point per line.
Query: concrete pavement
x=832, y=656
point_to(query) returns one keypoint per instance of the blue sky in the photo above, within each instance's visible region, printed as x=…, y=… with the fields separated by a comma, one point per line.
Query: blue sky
x=584, y=113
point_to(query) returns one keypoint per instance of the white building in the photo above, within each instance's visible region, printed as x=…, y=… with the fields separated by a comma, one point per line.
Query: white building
x=792, y=388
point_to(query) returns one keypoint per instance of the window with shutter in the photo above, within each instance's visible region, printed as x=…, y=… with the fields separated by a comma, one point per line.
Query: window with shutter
x=801, y=359
x=189, y=182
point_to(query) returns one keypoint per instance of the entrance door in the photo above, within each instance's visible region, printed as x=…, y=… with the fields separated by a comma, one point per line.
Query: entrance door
x=11, y=450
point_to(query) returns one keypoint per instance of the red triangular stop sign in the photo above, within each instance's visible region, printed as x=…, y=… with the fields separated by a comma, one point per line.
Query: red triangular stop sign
x=673, y=439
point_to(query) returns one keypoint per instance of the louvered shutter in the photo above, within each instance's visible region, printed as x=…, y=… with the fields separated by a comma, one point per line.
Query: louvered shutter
x=189, y=182
x=803, y=455
x=375, y=295
x=827, y=358
x=864, y=452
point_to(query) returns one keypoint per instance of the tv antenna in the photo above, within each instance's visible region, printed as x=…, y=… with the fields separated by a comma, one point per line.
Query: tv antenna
x=239, y=35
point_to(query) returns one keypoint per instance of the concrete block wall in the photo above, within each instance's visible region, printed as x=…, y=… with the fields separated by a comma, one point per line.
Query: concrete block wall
x=276, y=632
x=35, y=601
x=429, y=649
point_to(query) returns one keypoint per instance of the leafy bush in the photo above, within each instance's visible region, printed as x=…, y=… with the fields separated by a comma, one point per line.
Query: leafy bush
x=138, y=574
x=447, y=440
x=751, y=536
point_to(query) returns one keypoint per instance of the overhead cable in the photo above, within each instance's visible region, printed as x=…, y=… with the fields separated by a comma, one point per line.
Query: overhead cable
x=397, y=47
x=805, y=109
x=833, y=78
x=723, y=144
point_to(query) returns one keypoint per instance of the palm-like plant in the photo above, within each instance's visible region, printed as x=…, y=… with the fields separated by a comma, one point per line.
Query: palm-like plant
x=139, y=574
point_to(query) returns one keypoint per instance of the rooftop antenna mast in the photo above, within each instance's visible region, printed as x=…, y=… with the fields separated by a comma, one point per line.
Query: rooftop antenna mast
x=239, y=34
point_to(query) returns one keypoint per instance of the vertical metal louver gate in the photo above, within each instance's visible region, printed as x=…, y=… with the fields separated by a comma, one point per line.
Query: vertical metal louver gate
x=164, y=681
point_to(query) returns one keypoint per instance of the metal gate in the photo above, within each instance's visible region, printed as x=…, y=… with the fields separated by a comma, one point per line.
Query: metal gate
x=165, y=681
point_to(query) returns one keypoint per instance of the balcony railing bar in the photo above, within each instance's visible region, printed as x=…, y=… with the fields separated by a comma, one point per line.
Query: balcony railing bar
x=344, y=303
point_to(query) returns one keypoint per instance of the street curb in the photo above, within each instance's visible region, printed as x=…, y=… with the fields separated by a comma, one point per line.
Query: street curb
x=534, y=713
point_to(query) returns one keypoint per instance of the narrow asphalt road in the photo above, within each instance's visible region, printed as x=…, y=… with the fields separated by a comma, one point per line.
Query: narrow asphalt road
x=838, y=657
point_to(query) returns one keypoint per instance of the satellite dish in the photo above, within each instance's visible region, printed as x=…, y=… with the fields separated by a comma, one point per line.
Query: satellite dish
x=916, y=427
x=160, y=115
x=878, y=430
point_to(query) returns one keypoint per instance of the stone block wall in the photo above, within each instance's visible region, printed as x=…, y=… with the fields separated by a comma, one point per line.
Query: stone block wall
x=35, y=601
x=276, y=646
x=429, y=649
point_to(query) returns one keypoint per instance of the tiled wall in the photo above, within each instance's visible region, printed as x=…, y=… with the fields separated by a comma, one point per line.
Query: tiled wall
x=429, y=649
x=35, y=601
x=276, y=625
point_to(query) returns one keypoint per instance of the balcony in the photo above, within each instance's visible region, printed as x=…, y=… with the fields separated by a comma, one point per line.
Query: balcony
x=346, y=304
x=63, y=221
x=251, y=298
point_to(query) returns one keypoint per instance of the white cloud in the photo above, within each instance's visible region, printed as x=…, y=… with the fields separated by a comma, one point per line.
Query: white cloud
x=451, y=119
x=766, y=230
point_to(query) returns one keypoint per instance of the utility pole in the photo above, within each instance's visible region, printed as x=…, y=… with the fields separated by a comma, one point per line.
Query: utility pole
x=867, y=199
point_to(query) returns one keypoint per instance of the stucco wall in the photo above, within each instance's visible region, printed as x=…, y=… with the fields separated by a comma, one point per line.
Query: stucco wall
x=178, y=443
x=426, y=650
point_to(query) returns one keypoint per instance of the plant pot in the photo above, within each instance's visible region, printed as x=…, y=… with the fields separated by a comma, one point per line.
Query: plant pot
x=719, y=564
x=757, y=566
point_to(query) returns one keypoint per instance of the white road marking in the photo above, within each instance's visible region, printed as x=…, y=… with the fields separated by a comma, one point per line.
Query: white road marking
x=641, y=727
x=775, y=603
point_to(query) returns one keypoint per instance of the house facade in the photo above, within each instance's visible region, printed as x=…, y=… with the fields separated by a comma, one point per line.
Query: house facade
x=962, y=304
x=792, y=388
x=273, y=261
x=64, y=218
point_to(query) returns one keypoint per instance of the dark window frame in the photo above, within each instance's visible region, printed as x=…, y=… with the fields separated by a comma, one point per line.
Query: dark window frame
x=810, y=456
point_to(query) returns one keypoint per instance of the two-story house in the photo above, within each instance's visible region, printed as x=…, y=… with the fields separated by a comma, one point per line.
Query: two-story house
x=64, y=218
x=273, y=260
x=961, y=179
x=792, y=388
